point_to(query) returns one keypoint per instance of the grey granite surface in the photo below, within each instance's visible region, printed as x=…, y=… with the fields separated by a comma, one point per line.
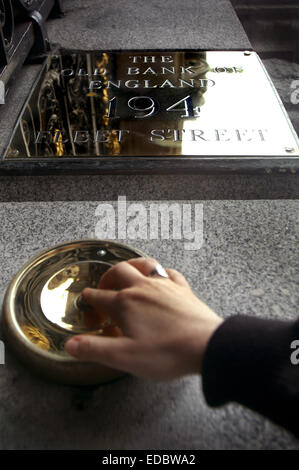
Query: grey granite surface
x=247, y=263
x=285, y=76
x=154, y=24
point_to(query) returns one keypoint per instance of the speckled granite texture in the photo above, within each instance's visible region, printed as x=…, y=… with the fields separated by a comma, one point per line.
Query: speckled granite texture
x=247, y=263
x=284, y=74
x=154, y=24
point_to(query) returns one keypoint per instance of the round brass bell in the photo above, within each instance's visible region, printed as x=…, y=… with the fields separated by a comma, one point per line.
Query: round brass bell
x=43, y=308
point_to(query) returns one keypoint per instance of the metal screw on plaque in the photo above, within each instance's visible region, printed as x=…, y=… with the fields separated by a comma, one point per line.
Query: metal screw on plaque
x=289, y=149
x=247, y=53
x=101, y=252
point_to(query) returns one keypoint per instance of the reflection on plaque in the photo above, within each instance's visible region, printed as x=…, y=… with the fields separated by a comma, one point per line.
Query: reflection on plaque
x=89, y=105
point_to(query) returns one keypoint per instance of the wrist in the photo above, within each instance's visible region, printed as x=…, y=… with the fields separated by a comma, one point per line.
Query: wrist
x=195, y=346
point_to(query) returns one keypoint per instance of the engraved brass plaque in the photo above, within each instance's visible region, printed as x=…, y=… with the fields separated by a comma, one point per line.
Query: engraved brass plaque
x=90, y=105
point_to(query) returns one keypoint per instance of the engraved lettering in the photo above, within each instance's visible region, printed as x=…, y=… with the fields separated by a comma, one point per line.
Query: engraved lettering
x=197, y=134
x=180, y=83
x=167, y=83
x=58, y=138
x=227, y=70
x=242, y=134
x=184, y=82
x=166, y=58
x=149, y=58
x=149, y=70
x=121, y=133
x=147, y=84
x=99, y=72
x=43, y=136
x=189, y=112
x=133, y=71
x=208, y=135
x=135, y=58
x=185, y=70
x=221, y=135
x=112, y=109
x=81, y=137
x=166, y=70
x=206, y=82
x=176, y=134
x=82, y=72
x=95, y=85
x=146, y=59
x=261, y=134
x=102, y=136
x=220, y=69
x=67, y=72
x=157, y=133
x=113, y=84
x=134, y=82
x=146, y=103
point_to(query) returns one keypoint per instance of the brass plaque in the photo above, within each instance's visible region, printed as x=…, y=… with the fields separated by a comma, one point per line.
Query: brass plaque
x=89, y=105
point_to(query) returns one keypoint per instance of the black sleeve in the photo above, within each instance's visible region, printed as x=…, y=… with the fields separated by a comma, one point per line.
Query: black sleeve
x=248, y=360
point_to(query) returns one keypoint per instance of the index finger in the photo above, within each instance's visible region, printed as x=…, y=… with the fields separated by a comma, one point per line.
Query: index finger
x=120, y=276
x=144, y=265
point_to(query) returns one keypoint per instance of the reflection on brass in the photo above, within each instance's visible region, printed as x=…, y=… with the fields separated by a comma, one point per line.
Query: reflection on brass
x=43, y=308
x=59, y=296
x=36, y=337
x=106, y=104
x=58, y=143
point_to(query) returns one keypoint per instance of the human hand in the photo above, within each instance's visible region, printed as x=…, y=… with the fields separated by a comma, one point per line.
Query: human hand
x=165, y=327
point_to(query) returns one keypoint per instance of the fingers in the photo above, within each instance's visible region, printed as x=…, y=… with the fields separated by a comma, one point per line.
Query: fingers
x=102, y=303
x=144, y=265
x=120, y=276
x=98, y=297
x=177, y=277
x=111, y=352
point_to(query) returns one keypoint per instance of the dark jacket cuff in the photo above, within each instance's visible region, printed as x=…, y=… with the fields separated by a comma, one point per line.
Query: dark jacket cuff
x=248, y=361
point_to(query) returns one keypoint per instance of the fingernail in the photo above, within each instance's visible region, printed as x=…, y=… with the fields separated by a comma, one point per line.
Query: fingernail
x=72, y=346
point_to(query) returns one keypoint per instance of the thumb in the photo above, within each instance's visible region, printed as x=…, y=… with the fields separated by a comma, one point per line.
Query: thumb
x=111, y=352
